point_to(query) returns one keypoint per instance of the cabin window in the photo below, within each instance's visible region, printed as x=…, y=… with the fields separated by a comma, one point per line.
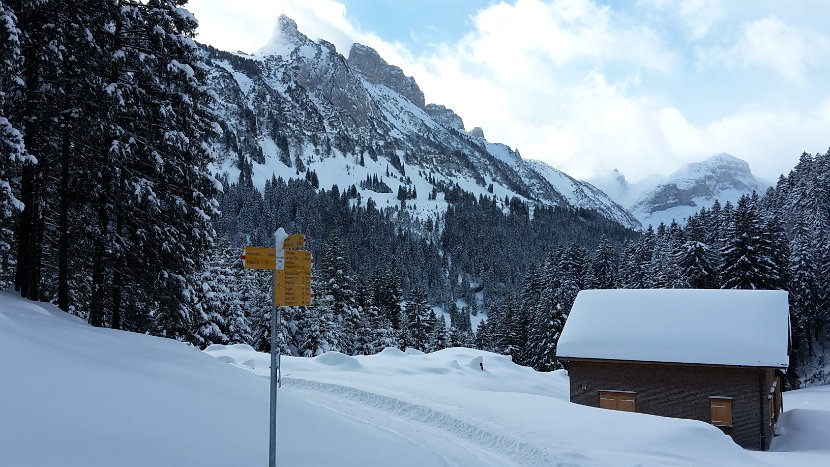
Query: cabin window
x=617, y=400
x=721, y=408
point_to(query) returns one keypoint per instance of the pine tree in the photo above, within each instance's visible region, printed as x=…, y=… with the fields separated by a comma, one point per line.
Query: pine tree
x=804, y=284
x=388, y=295
x=36, y=116
x=12, y=151
x=439, y=338
x=695, y=260
x=419, y=319
x=483, y=339
x=221, y=297
x=544, y=335
x=663, y=270
x=339, y=287
x=603, y=266
x=746, y=253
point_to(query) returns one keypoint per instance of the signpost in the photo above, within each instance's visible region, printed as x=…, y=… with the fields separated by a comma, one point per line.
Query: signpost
x=259, y=258
x=291, y=286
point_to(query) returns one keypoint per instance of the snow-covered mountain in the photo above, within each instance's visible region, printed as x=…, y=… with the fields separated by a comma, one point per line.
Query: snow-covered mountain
x=299, y=105
x=696, y=185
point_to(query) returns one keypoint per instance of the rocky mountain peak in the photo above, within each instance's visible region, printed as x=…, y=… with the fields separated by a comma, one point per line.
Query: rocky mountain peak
x=478, y=133
x=719, y=172
x=328, y=45
x=376, y=70
x=445, y=116
x=285, y=38
x=698, y=184
x=287, y=25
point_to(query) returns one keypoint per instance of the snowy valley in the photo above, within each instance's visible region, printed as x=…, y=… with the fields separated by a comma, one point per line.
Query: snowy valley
x=137, y=164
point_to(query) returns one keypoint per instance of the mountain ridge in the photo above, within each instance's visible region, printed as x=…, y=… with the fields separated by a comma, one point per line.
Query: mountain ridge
x=685, y=191
x=300, y=105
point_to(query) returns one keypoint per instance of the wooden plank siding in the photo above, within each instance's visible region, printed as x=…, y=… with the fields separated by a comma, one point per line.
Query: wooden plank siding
x=684, y=391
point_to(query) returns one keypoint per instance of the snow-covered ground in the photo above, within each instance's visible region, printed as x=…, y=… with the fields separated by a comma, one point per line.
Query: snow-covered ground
x=73, y=395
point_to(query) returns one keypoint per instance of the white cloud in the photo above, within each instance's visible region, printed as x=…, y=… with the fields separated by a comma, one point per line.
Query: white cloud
x=533, y=33
x=770, y=43
x=230, y=26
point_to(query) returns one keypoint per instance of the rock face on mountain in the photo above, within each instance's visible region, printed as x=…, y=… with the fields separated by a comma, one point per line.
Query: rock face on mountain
x=299, y=105
x=377, y=71
x=445, y=116
x=683, y=193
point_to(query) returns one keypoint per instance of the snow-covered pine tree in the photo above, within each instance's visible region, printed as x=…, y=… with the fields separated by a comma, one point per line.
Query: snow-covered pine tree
x=389, y=294
x=531, y=288
x=36, y=115
x=663, y=270
x=803, y=285
x=483, y=339
x=548, y=322
x=12, y=151
x=176, y=220
x=222, y=298
x=439, y=337
x=419, y=324
x=695, y=260
x=747, y=251
x=603, y=266
x=339, y=287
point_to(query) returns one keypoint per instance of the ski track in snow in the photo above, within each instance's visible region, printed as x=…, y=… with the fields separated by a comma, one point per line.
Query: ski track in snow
x=499, y=449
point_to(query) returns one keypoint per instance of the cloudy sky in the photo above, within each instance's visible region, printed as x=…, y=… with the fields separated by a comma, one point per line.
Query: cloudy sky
x=588, y=86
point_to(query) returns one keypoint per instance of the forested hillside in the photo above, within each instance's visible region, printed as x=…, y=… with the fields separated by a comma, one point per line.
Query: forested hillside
x=379, y=272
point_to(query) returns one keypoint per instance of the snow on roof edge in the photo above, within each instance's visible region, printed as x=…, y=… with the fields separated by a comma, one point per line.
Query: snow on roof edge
x=679, y=326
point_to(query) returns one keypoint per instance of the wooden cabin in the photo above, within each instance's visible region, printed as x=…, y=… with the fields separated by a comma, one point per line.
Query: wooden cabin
x=712, y=355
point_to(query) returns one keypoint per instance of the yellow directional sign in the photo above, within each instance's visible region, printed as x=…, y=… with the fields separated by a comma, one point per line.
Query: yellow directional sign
x=292, y=289
x=259, y=257
x=298, y=260
x=292, y=270
x=294, y=241
x=279, y=287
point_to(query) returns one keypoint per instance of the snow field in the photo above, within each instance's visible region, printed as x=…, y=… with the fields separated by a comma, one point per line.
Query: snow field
x=74, y=395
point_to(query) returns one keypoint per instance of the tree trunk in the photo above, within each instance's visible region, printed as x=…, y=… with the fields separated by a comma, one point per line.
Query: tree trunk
x=96, y=305
x=63, y=217
x=27, y=279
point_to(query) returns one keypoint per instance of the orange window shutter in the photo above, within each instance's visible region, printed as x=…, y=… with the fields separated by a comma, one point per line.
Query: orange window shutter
x=721, y=412
x=625, y=402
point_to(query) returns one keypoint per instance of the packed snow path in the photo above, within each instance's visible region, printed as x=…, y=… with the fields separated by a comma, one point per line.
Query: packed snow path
x=435, y=431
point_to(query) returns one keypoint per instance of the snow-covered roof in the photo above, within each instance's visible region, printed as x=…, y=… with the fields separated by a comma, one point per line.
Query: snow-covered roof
x=712, y=327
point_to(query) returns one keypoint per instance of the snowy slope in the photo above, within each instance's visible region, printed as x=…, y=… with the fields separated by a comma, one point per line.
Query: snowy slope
x=584, y=195
x=73, y=395
x=301, y=105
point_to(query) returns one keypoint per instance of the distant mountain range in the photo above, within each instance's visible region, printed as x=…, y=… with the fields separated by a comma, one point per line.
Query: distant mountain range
x=684, y=192
x=299, y=105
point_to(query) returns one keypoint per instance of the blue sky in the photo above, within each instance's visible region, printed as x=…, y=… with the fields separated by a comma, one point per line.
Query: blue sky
x=416, y=24
x=588, y=86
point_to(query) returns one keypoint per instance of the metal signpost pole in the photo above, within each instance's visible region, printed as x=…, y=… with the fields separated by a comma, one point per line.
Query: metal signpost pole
x=272, y=451
x=279, y=265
